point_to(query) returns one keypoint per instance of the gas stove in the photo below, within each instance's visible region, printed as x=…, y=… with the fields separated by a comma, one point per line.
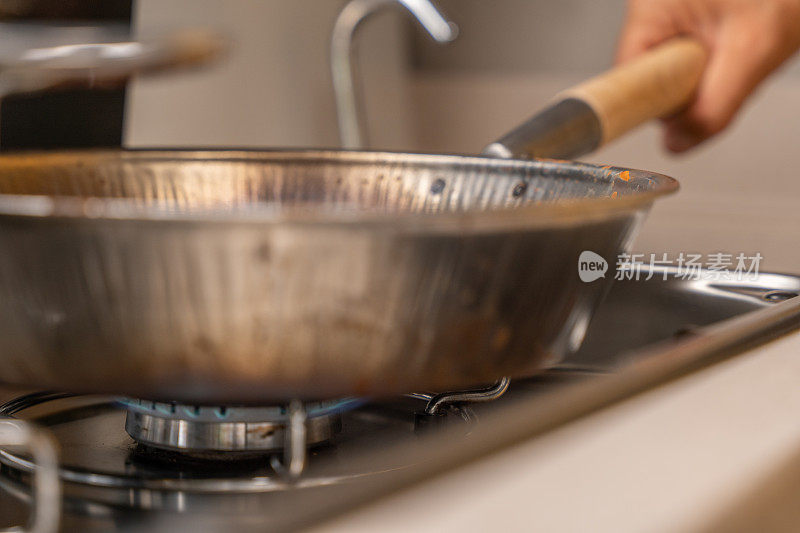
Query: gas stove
x=134, y=464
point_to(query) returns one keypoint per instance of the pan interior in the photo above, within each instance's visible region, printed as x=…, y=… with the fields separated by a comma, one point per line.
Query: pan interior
x=186, y=182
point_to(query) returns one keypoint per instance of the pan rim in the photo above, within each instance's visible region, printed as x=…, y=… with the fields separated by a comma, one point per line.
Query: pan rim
x=567, y=211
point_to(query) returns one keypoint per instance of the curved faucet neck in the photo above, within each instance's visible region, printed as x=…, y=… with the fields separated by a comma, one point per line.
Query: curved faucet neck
x=352, y=127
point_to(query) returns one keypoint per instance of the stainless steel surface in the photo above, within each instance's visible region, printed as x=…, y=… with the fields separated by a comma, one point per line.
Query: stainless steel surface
x=352, y=130
x=520, y=420
x=97, y=453
x=210, y=439
x=295, y=444
x=248, y=276
x=36, y=69
x=106, y=479
x=565, y=130
x=671, y=310
x=46, y=486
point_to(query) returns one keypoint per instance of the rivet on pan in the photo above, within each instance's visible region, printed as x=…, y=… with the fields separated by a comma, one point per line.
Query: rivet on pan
x=263, y=252
x=438, y=186
x=685, y=331
x=519, y=189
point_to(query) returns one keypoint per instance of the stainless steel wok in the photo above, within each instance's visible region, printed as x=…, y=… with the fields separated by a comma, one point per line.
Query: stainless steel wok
x=238, y=276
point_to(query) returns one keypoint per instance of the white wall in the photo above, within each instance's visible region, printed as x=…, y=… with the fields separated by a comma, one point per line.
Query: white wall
x=273, y=89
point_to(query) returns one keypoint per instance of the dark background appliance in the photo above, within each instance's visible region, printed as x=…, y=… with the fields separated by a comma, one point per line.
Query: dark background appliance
x=70, y=117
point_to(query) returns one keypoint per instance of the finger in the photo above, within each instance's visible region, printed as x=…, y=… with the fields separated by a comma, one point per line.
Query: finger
x=738, y=64
x=642, y=30
x=639, y=38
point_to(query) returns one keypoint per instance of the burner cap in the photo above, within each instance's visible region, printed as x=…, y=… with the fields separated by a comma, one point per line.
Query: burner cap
x=226, y=432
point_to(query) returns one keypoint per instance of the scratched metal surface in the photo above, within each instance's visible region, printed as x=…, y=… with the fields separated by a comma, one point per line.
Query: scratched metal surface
x=247, y=276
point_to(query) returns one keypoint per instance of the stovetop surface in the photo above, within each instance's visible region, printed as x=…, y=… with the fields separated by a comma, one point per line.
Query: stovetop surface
x=111, y=482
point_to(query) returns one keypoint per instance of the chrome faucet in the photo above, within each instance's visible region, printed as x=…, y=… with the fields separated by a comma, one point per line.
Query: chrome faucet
x=352, y=129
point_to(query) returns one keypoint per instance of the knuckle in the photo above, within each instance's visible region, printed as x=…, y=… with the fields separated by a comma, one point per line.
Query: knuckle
x=711, y=122
x=785, y=10
x=781, y=24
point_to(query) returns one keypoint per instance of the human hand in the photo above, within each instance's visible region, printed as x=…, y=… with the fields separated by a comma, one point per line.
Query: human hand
x=747, y=40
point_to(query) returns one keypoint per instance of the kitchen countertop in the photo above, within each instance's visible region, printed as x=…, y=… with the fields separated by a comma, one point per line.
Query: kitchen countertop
x=714, y=450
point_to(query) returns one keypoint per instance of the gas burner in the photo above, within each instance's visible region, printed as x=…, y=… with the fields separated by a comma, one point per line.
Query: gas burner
x=228, y=433
x=167, y=456
x=100, y=462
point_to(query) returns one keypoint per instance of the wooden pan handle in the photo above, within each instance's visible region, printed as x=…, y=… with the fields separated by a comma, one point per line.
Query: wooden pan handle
x=654, y=85
x=583, y=118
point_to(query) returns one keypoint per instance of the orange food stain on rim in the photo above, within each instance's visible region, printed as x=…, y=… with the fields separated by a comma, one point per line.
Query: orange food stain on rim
x=625, y=175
